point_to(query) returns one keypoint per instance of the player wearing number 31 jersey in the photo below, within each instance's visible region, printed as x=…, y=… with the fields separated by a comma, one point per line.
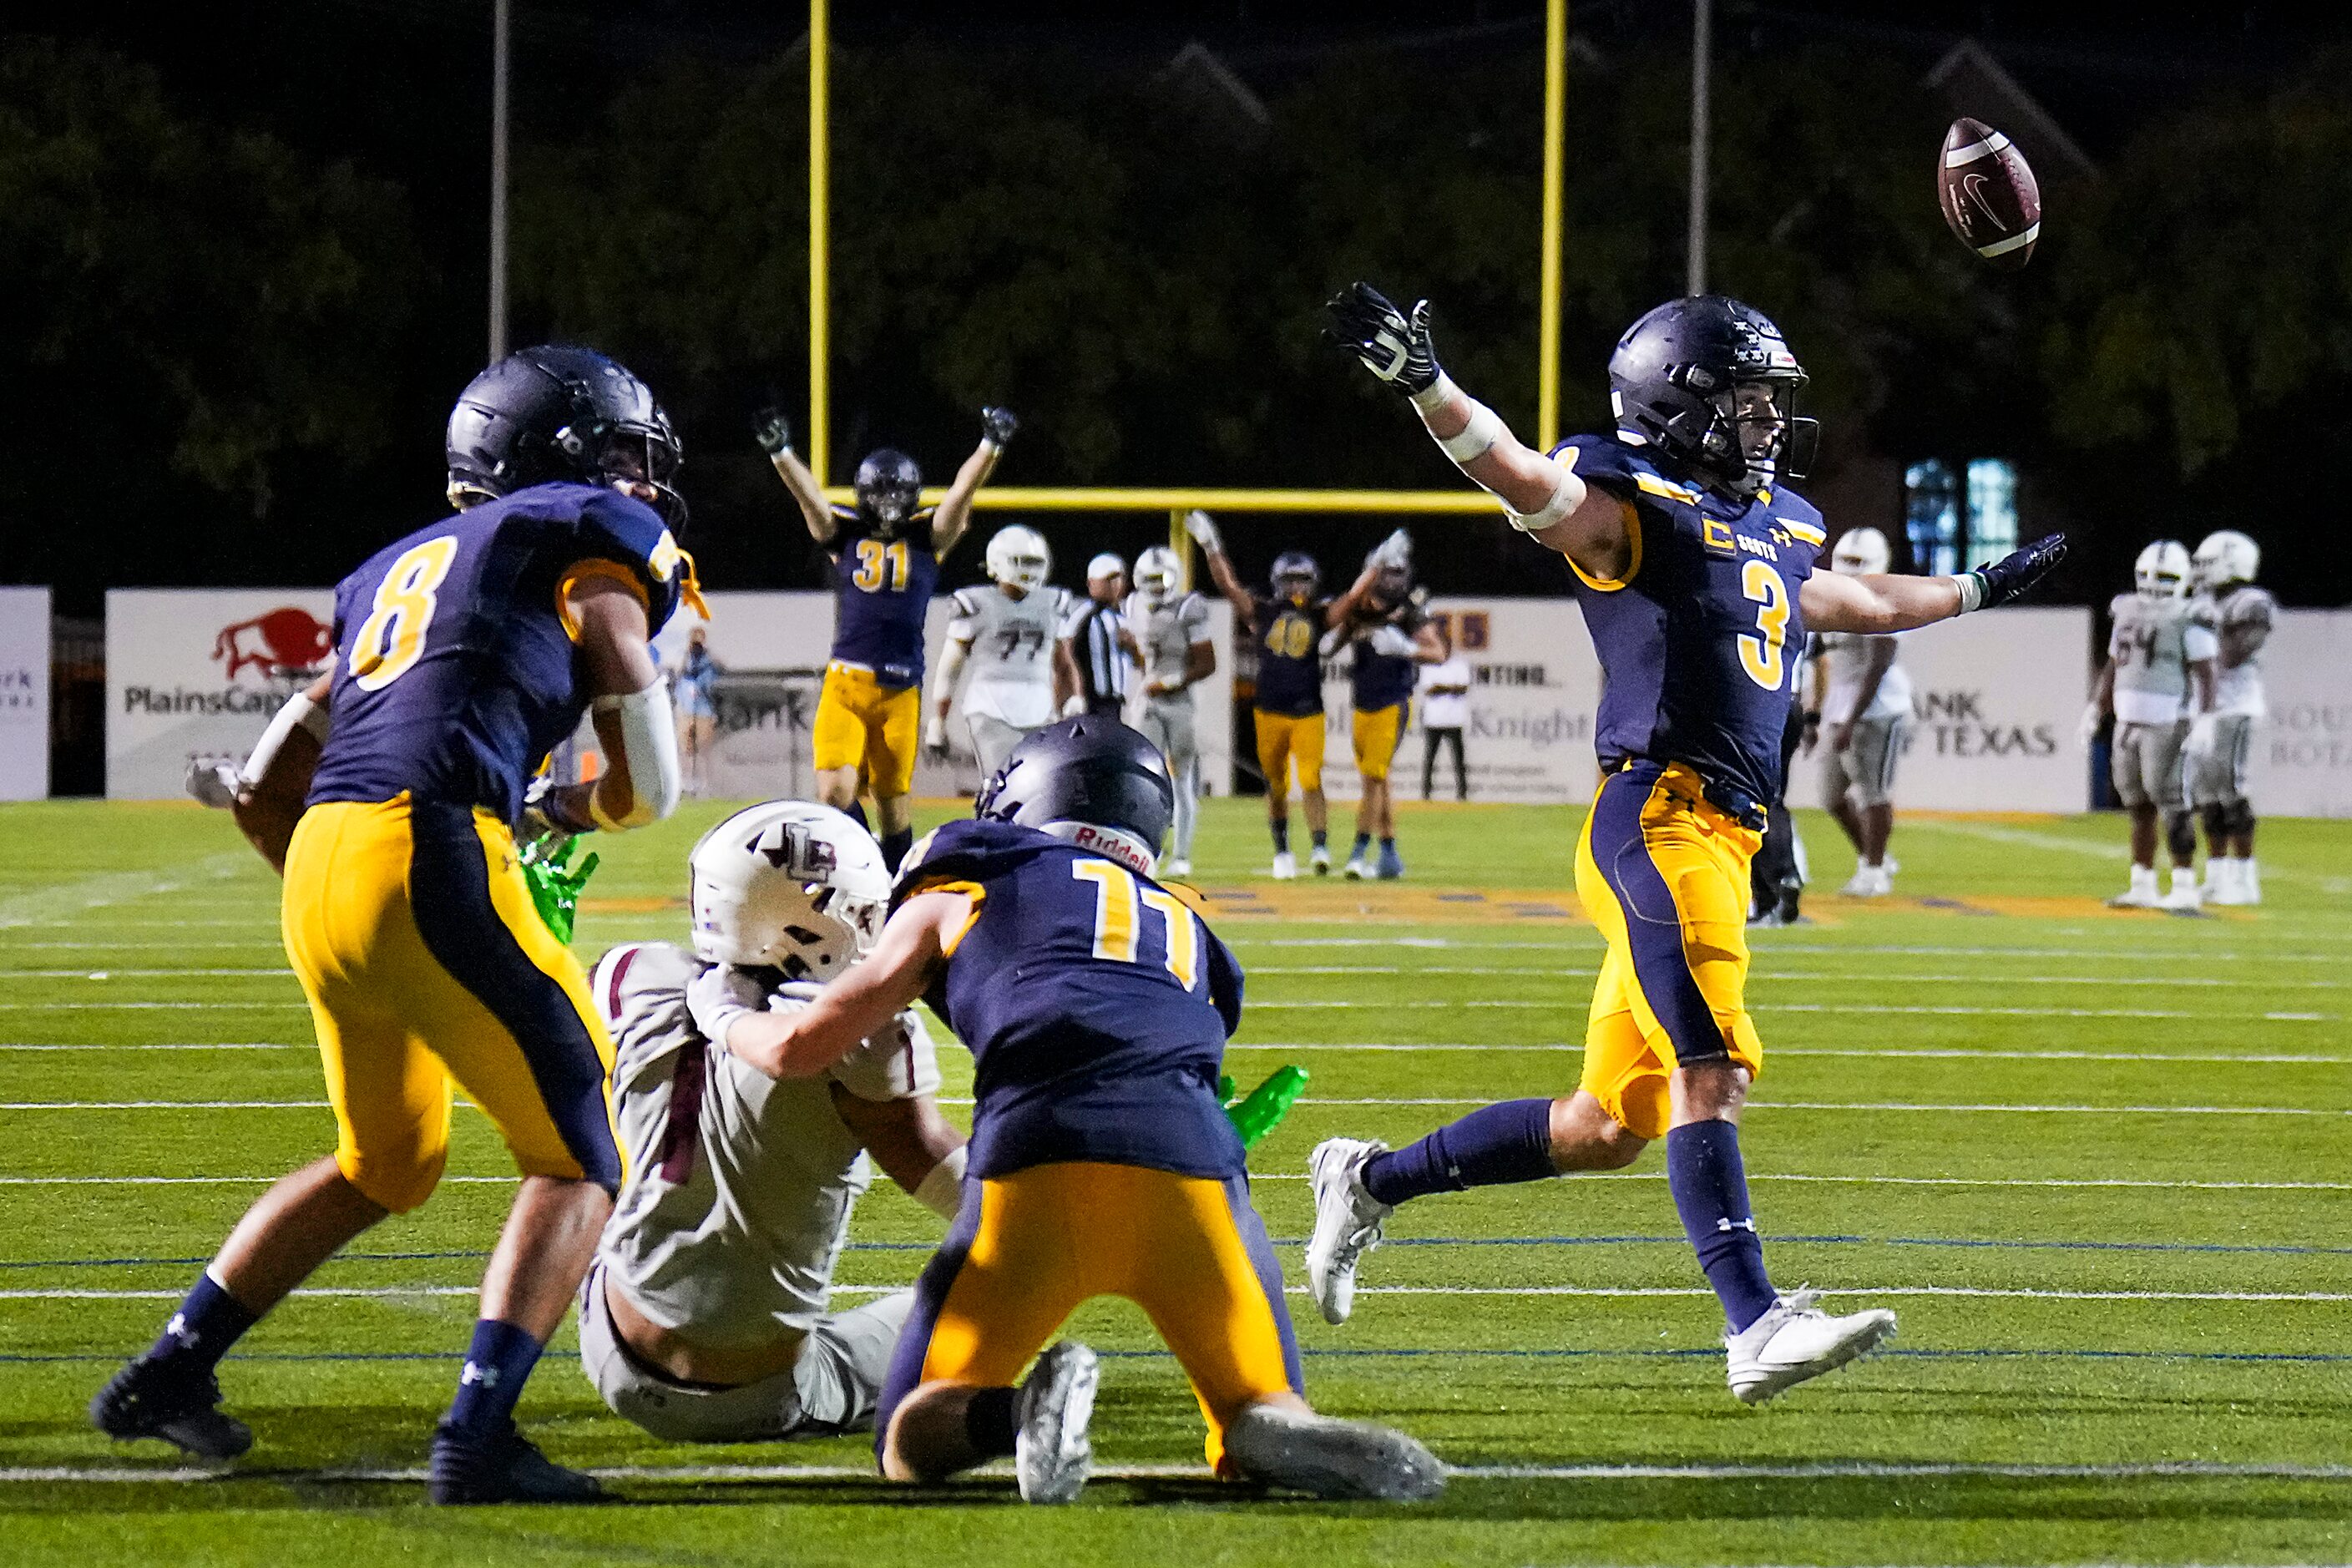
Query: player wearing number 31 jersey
x=1693, y=567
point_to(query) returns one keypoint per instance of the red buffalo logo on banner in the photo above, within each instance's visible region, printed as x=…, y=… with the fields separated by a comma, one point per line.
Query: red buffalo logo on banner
x=285, y=641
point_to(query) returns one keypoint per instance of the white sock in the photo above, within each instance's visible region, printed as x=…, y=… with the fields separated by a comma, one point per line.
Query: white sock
x=2184, y=879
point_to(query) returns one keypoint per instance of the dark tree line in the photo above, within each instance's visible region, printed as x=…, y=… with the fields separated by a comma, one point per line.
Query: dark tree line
x=228, y=370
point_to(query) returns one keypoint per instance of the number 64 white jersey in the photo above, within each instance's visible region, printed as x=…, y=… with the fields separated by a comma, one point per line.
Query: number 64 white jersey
x=1009, y=672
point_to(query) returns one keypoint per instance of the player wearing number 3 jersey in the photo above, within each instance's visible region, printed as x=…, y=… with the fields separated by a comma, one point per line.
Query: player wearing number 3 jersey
x=463, y=654
x=1693, y=565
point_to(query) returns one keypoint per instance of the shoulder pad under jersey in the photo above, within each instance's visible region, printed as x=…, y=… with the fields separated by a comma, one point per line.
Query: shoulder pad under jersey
x=971, y=850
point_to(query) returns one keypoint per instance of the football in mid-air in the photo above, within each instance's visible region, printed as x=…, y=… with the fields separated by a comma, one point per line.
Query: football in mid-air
x=1987, y=194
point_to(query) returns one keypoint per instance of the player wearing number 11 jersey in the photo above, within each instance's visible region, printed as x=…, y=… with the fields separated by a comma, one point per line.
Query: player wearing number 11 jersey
x=1694, y=566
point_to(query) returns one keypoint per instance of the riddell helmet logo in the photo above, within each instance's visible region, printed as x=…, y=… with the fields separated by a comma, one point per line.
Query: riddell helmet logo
x=284, y=641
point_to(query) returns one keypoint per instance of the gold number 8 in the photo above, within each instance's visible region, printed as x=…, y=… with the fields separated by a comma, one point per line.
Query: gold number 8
x=392, y=638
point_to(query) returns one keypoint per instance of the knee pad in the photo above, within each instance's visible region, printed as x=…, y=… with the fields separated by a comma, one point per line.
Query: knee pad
x=2238, y=816
x=2217, y=819
x=2179, y=834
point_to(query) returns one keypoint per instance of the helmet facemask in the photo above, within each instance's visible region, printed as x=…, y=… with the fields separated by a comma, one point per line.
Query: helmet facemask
x=1757, y=437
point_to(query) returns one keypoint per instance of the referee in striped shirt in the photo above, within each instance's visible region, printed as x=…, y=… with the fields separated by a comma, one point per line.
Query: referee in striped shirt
x=1090, y=666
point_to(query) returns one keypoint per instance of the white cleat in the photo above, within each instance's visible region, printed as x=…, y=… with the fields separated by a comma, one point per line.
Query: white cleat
x=2185, y=898
x=1347, y=1222
x=1318, y=860
x=1286, y=866
x=1051, y=1454
x=1179, y=867
x=1796, y=1342
x=2249, y=882
x=2141, y=894
x=1868, y=882
x=1328, y=1457
x=1357, y=869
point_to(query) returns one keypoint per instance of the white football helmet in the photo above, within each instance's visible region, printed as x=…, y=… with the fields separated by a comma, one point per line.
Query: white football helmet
x=2227, y=556
x=1018, y=558
x=2162, y=569
x=1157, y=574
x=1861, y=552
x=790, y=886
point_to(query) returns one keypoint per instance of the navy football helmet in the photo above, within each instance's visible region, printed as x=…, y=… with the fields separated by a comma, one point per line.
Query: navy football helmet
x=888, y=486
x=1296, y=576
x=558, y=412
x=1675, y=382
x=1090, y=771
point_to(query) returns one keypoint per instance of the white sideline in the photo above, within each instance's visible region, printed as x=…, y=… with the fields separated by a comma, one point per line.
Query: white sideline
x=1606, y=1292
x=1853, y=1470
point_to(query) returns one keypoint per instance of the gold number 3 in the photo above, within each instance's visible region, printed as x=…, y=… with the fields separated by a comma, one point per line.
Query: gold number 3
x=1760, y=655
x=392, y=638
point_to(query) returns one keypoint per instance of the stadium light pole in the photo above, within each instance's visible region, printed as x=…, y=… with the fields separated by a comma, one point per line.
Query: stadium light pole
x=501, y=19
x=820, y=237
x=1702, y=38
x=1554, y=172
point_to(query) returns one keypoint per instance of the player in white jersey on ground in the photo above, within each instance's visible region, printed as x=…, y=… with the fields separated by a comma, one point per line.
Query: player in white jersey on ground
x=1003, y=637
x=705, y=1318
x=1170, y=628
x=1864, y=702
x=2160, y=670
x=2221, y=735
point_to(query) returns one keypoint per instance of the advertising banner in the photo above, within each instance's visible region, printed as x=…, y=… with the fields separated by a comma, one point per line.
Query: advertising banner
x=1995, y=699
x=2301, y=761
x=198, y=672
x=24, y=693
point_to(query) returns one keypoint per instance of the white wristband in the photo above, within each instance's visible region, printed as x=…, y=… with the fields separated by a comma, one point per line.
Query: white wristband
x=299, y=713
x=1971, y=588
x=1435, y=393
x=1565, y=499
x=647, y=763
x=941, y=1191
x=1486, y=429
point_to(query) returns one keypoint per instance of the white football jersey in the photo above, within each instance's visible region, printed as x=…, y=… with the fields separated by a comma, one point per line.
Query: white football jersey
x=1009, y=674
x=2238, y=688
x=739, y=1186
x=1845, y=660
x=1166, y=634
x=2153, y=643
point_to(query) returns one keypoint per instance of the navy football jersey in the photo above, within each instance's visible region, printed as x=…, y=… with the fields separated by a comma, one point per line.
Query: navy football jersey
x=1289, y=663
x=882, y=590
x=1699, y=642
x=1384, y=679
x=1095, y=1002
x=454, y=674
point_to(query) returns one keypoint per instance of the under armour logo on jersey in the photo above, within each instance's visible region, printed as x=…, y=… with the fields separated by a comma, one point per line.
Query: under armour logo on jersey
x=487, y=1376
x=1748, y=1225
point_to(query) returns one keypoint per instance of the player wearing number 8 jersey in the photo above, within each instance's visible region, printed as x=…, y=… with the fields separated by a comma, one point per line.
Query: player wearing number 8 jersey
x=1694, y=566
x=463, y=654
x=1096, y=1004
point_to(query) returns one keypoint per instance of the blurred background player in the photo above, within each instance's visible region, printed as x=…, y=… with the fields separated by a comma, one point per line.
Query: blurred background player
x=1090, y=663
x=1096, y=1005
x=1169, y=630
x=464, y=653
x=1864, y=701
x=1390, y=638
x=1004, y=637
x=704, y=1319
x=886, y=552
x=696, y=686
x=1288, y=625
x=2158, y=656
x=2221, y=740
x=1445, y=714
x=1693, y=567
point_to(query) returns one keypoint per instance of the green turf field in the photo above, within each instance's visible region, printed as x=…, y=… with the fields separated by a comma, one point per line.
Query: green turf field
x=2098, y=1160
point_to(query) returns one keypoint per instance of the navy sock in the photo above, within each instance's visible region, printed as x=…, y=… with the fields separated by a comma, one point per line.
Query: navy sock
x=1322, y=838
x=1280, y=829
x=498, y=1360
x=1710, y=1187
x=988, y=1424
x=894, y=846
x=856, y=813
x=1363, y=842
x=1495, y=1144
x=208, y=1322
x=1388, y=845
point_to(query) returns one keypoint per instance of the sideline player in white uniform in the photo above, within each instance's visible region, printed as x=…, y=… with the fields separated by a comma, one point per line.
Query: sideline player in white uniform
x=1865, y=707
x=1170, y=631
x=2156, y=654
x=1003, y=636
x=705, y=1317
x=2222, y=736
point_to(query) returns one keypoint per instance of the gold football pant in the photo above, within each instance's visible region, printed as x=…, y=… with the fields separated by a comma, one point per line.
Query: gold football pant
x=862, y=723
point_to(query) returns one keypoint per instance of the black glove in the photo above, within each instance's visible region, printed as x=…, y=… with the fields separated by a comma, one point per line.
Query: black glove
x=998, y=425
x=2015, y=575
x=1397, y=350
x=772, y=431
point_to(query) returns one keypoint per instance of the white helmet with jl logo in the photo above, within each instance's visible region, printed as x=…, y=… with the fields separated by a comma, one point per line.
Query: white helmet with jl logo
x=1861, y=552
x=1018, y=558
x=790, y=886
x=2227, y=556
x=1157, y=574
x=2162, y=569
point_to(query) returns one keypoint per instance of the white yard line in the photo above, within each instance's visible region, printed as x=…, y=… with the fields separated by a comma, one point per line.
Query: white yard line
x=1864, y=977
x=1839, y=1008
x=184, y=1046
x=2167, y=1184
x=70, y=900
x=1955, y=1052
x=1768, y=942
x=149, y=1007
x=1872, y=1106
